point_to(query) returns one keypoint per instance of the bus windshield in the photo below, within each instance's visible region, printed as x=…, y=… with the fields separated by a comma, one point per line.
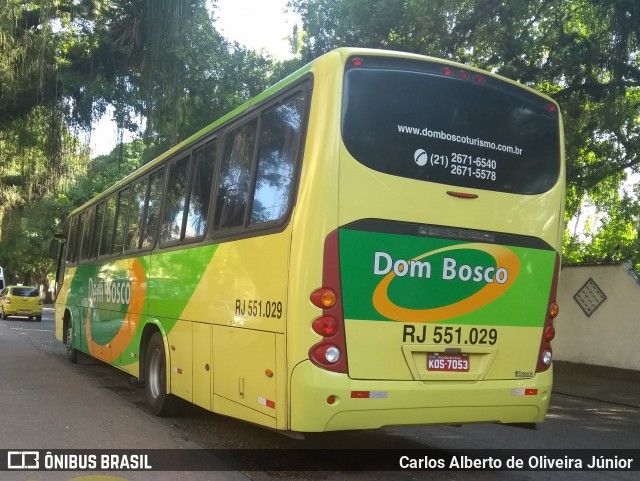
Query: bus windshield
x=436, y=123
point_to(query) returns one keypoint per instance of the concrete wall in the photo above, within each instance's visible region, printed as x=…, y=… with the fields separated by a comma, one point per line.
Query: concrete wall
x=605, y=331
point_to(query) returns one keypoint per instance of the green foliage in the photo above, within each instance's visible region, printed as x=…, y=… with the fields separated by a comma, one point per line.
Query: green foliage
x=106, y=170
x=63, y=62
x=32, y=181
x=23, y=253
x=610, y=233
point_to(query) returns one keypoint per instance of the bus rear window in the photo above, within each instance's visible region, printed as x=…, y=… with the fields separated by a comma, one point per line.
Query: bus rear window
x=429, y=122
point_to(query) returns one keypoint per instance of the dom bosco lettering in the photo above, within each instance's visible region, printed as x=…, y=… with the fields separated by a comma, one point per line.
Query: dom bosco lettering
x=383, y=264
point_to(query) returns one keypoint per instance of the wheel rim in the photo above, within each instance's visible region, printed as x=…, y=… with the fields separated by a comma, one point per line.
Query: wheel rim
x=155, y=376
x=67, y=339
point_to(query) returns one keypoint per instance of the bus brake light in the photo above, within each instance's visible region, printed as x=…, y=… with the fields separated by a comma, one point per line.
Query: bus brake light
x=326, y=326
x=462, y=195
x=549, y=333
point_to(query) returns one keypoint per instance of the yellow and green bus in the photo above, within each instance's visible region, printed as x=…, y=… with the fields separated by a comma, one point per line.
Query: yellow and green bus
x=373, y=241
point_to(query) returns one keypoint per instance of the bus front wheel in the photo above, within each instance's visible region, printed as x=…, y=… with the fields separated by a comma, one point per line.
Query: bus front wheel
x=159, y=401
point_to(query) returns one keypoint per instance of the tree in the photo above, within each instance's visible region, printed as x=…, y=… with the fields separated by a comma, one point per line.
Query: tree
x=162, y=61
x=106, y=170
x=23, y=254
x=63, y=62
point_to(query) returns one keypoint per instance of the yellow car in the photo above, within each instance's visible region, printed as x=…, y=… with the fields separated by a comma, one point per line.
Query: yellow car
x=21, y=301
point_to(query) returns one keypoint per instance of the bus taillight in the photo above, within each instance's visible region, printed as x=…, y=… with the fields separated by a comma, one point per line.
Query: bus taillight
x=545, y=355
x=331, y=352
x=324, y=298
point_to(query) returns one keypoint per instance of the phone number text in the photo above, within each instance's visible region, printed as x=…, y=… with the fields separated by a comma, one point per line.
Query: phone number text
x=466, y=165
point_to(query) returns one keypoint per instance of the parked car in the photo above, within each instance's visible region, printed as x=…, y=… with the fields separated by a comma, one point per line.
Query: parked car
x=21, y=301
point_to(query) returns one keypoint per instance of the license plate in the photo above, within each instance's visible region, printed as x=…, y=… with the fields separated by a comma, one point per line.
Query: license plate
x=24, y=313
x=448, y=362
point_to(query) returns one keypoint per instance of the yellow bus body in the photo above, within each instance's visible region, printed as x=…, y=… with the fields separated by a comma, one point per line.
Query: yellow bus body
x=227, y=360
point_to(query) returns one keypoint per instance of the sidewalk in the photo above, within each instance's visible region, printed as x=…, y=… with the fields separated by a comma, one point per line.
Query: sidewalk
x=608, y=384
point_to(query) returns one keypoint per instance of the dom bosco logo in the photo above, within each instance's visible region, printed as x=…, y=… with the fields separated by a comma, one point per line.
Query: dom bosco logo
x=493, y=279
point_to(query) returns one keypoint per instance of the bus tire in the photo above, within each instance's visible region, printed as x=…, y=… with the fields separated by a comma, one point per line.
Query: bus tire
x=159, y=401
x=72, y=353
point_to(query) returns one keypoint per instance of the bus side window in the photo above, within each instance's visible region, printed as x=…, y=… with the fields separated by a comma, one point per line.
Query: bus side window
x=107, y=231
x=175, y=201
x=121, y=221
x=71, y=244
x=88, y=232
x=136, y=213
x=198, y=203
x=97, y=232
x=80, y=236
x=235, y=175
x=152, y=209
x=280, y=134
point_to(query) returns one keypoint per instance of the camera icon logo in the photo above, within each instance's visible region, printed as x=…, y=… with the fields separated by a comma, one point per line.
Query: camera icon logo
x=23, y=460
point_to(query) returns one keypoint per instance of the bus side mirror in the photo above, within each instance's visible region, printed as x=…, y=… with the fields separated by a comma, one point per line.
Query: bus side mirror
x=54, y=248
x=55, y=245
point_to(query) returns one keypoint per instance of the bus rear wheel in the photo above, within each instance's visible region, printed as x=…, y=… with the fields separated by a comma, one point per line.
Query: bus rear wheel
x=159, y=401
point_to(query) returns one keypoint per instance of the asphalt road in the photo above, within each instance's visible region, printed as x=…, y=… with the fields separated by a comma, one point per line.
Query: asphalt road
x=48, y=403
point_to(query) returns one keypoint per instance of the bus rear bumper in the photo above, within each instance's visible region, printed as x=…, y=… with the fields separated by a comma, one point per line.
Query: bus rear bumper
x=364, y=404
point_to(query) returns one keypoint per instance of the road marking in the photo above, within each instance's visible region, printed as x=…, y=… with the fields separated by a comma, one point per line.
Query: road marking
x=23, y=329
